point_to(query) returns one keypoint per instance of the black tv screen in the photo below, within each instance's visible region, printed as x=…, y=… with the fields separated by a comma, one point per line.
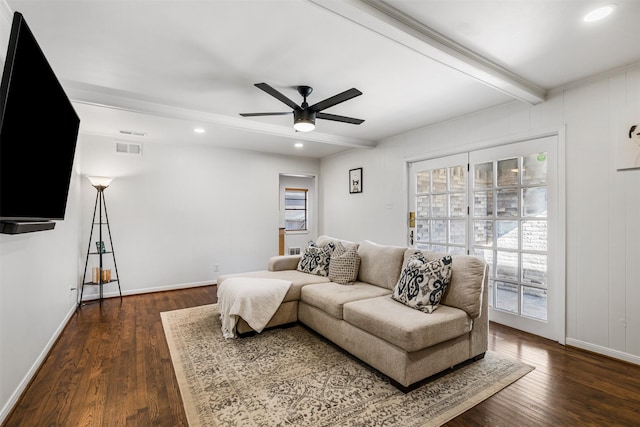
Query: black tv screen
x=38, y=133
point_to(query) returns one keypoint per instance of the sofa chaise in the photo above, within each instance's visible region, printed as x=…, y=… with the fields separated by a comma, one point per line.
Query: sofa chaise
x=406, y=344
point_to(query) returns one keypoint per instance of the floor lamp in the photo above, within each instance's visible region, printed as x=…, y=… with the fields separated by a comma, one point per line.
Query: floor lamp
x=100, y=183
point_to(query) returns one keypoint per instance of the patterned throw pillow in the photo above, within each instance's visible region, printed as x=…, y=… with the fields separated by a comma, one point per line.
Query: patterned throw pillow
x=344, y=264
x=423, y=283
x=315, y=259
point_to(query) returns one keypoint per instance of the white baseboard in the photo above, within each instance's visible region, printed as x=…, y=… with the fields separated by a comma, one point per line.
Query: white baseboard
x=616, y=354
x=112, y=294
x=34, y=368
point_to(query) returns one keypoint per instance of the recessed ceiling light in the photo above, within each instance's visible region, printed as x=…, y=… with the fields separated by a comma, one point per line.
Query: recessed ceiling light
x=198, y=130
x=599, y=13
x=298, y=145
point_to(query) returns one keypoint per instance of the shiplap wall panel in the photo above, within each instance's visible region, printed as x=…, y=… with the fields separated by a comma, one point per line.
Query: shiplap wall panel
x=632, y=241
x=617, y=219
x=586, y=149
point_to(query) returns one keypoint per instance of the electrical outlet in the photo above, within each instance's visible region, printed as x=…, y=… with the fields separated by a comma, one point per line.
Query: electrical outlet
x=216, y=267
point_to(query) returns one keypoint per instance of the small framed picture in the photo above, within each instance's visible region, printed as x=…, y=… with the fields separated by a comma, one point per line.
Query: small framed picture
x=100, y=247
x=355, y=180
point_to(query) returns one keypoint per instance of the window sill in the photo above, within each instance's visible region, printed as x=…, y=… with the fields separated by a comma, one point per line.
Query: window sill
x=296, y=231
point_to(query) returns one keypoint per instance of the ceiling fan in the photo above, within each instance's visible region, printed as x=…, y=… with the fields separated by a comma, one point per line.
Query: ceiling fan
x=304, y=116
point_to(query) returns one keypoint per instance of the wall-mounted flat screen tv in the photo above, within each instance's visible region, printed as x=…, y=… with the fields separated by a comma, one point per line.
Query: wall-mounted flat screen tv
x=38, y=133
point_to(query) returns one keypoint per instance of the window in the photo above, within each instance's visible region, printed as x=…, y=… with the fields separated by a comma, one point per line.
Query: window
x=295, y=209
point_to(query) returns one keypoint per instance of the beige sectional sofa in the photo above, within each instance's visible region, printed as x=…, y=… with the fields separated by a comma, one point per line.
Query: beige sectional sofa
x=403, y=343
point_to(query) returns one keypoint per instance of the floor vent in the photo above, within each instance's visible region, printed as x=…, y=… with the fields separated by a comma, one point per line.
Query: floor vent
x=129, y=148
x=294, y=251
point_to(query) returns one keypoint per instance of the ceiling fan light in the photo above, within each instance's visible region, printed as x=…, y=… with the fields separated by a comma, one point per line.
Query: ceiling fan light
x=304, y=121
x=304, y=126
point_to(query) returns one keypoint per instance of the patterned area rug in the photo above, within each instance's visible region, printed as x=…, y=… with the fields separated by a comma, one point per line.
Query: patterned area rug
x=292, y=376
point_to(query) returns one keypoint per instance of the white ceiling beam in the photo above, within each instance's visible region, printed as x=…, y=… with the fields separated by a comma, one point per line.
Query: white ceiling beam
x=391, y=23
x=104, y=97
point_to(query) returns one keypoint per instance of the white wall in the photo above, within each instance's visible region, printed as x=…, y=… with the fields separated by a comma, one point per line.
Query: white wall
x=603, y=205
x=178, y=210
x=37, y=272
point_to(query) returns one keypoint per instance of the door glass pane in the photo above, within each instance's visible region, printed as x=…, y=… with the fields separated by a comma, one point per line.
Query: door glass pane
x=508, y=202
x=534, y=235
x=438, y=248
x=457, y=233
x=457, y=178
x=439, y=180
x=483, y=203
x=483, y=176
x=439, y=206
x=439, y=231
x=458, y=204
x=534, y=169
x=534, y=201
x=422, y=207
x=508, y=172
x=422, y=230
x=534, y=302
x=507, y=265
x=534, y=269
x=507, y=234
x=422, y=182
x=483, y=233
x=507, y=297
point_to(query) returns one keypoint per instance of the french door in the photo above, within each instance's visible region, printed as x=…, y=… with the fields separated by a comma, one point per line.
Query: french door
x=500, y=204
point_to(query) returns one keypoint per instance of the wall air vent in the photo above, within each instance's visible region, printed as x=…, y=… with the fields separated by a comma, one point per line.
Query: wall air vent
x=132, y=132
x=129, y=148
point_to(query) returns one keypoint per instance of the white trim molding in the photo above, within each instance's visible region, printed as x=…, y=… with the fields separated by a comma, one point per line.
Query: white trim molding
x=606, y=351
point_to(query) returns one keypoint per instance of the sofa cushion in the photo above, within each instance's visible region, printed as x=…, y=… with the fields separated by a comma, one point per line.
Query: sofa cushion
x=315, y=259
x=344, y=264
x=422, y=283
x=330, y=297
x=409, y=329
x=298, y=279
x=380, y=265
x=466, y=288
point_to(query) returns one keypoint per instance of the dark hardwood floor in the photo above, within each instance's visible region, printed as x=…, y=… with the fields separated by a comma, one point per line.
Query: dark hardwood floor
x=111, y=367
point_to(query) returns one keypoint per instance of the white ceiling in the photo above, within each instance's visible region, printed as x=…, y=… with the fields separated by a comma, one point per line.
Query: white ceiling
x=165, y=67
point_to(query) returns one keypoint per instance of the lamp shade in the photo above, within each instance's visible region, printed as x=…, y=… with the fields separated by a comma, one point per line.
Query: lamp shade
x=100, y=181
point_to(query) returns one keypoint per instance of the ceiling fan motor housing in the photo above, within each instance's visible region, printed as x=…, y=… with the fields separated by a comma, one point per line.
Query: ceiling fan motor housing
x=304, y=116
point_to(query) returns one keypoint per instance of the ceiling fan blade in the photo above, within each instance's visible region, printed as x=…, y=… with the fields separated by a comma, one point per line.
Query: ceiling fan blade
x=336, y=99
x=265, y=114
x=337, y=118
x=271, y=91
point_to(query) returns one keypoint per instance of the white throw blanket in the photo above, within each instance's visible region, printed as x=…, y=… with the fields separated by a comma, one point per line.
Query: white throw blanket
x=255, y=300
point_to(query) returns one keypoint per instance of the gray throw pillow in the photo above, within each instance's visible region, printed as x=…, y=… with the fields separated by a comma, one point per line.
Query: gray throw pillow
x=344, y=264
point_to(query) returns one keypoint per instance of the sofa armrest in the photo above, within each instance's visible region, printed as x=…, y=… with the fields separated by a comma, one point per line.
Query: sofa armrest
x=283, y=262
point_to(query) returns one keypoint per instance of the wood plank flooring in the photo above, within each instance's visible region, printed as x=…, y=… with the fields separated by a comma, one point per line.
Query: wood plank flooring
x=111, y=367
